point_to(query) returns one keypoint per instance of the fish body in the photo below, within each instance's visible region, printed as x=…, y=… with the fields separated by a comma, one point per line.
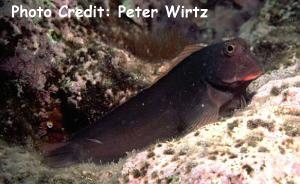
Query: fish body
x=190, y=95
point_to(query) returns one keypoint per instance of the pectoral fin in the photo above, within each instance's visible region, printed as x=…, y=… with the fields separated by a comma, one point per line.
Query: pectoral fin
x=217, y=97
x=236, y=103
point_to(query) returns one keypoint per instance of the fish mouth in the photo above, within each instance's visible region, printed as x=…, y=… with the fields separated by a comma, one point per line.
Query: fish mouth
x=249, y=77
x=252, y=76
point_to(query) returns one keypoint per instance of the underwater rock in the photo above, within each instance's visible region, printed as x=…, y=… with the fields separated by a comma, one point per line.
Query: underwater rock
x=49, y=63
x=224, y=18
x=260, y=144
x=274, y=34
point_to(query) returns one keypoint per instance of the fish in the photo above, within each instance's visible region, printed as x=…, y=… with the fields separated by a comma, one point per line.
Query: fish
x=193, y=93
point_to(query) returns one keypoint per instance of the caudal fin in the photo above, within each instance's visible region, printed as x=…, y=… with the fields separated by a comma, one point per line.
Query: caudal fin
x=60, y=157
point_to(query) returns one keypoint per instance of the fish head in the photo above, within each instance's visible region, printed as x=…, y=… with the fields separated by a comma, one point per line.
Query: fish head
x=234, y=65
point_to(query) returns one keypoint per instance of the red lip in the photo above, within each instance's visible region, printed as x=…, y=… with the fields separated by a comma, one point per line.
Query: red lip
x=248, y=77
x=251, y=76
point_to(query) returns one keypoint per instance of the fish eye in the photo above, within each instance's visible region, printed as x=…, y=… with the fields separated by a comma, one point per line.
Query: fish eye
x=229, y=49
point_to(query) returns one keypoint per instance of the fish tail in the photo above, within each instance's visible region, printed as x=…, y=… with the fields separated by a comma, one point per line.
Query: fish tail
x=61, y=156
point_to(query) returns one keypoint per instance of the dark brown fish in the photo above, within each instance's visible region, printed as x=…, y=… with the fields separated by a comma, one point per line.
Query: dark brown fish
x=192, y=94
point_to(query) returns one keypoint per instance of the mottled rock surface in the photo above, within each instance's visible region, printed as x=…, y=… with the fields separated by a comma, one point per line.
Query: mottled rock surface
x=258, y=145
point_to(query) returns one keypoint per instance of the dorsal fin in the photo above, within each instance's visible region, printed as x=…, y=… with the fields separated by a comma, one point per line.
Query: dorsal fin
x=186, y=52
